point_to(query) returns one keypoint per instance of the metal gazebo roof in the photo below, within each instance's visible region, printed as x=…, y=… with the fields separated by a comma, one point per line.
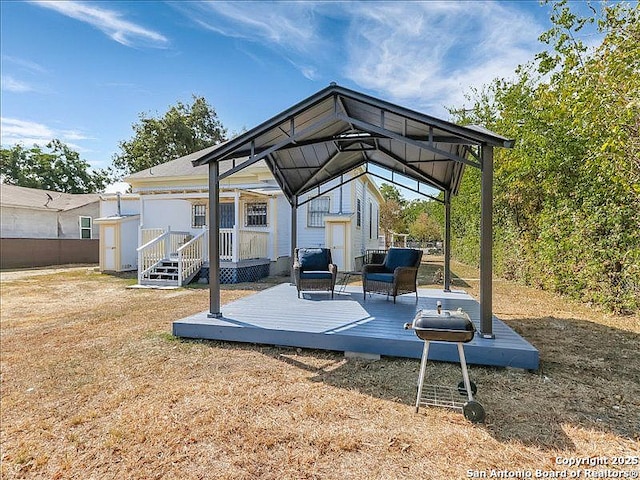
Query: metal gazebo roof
x=337, y=130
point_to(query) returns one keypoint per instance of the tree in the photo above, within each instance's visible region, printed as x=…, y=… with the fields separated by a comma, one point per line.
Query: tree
x=566, y=210
x=182, y=130
x=425, y=228
x=390, y=192
x=391, y=219
x=61, y=169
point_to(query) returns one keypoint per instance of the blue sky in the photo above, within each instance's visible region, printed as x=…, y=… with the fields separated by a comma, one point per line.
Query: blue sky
x=83, y=71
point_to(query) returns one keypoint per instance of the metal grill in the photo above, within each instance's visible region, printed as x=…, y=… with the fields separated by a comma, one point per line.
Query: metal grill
x=442, y=325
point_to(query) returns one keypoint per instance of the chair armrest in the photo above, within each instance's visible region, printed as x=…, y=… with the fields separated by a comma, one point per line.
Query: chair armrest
x=374, y=268
x=405, y=274
x=333, y=268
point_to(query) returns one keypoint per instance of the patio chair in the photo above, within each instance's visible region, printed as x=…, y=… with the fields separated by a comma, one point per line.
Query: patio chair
x=313, y=270
x=396, y=276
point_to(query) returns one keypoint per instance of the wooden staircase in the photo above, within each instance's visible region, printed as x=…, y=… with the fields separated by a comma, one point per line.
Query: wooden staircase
x=165, y=273
x=172, y=259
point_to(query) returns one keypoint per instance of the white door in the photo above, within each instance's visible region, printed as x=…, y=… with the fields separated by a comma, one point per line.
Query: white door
x=109, y=242
x=337, y=244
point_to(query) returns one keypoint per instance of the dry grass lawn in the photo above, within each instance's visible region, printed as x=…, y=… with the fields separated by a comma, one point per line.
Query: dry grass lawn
x=94, y=386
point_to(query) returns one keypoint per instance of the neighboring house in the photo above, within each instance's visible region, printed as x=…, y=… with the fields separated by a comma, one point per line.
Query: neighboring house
x=41, y=227
x=254, y=218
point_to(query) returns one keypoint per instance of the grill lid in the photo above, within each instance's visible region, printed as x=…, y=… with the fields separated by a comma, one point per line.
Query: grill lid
x=443, y=325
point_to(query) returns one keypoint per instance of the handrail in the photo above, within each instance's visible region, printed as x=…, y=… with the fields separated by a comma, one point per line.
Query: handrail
x=148, y=234
x=150, y=242
x=204, y=232
x=154, y=251
x=146, y=261
x=190, y=257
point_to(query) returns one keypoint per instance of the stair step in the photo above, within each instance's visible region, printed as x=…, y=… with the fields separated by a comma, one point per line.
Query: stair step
x=164, y=273
x=163, y=276
x=159, y=283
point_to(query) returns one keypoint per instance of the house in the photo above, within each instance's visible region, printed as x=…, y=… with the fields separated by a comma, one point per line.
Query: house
x=42, y=227
x=254, y=219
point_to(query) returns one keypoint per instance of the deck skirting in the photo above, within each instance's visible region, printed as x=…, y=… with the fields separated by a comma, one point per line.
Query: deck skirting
x=240, y=272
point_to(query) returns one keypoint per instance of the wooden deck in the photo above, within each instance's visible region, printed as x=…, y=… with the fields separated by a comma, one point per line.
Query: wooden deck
x=348, y=324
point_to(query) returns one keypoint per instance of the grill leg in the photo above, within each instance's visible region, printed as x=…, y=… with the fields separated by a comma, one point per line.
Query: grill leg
x=465, y=373
x=423, y=367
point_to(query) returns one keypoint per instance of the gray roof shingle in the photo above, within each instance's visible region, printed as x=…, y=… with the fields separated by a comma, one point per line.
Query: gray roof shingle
x=15, y=196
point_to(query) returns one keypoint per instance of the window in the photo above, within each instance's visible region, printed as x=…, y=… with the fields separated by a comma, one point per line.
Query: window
x=199, y=216
x=318, y=209
x=370, y=220
x=358, y=213
x=256, y=215
x=85, y=227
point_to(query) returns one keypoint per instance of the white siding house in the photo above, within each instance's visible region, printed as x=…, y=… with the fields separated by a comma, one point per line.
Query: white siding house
x=255, y=222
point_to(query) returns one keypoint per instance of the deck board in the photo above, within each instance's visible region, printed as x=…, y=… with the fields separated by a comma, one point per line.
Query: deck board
x=348, y=323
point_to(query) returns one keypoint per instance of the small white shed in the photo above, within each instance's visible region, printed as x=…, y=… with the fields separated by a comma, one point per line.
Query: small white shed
x=118, y=241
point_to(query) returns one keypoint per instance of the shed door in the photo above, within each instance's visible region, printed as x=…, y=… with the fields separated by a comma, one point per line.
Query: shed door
x=109, y=242
x=337, y=242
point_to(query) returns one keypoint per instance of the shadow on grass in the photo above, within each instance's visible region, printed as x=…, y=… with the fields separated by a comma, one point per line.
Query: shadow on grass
x=589, y=379
x=430, y=274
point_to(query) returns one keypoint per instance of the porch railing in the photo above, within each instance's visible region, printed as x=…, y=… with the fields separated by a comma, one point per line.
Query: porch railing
x=159, y=248
x=252, y=244
x=191, y=256
x=191, y=252
x=225, y=246
x=148, y=234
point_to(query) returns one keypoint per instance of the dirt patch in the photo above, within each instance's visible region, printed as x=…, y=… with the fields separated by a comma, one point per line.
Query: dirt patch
x=94, y=386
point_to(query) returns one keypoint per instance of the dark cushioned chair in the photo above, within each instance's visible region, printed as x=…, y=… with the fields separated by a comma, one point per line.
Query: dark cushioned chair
x=396, y=276
x=313, y=270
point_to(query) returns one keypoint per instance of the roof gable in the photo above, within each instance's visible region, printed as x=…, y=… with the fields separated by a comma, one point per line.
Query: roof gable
x=181, y=168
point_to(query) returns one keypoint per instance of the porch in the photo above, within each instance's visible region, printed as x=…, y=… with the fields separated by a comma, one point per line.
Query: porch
x=349, y=324
x=169, y=257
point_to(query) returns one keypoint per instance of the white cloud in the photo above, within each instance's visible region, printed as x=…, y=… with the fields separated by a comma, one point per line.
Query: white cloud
x=13, y=131
x=14, y=128
x=25, y=64
x=74, y=135
x=292, y=29
x=109, y=22
x=431, y=53
x=290, y=25
x=10, y=84
x=425, y=55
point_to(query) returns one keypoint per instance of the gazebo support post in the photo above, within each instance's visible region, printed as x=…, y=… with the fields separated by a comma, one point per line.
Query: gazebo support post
x=486, y=244
x=447, y=241
x=294, y=235
x=214, y=241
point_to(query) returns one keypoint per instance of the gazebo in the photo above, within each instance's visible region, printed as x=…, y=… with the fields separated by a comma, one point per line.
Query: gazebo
x=337, y=130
